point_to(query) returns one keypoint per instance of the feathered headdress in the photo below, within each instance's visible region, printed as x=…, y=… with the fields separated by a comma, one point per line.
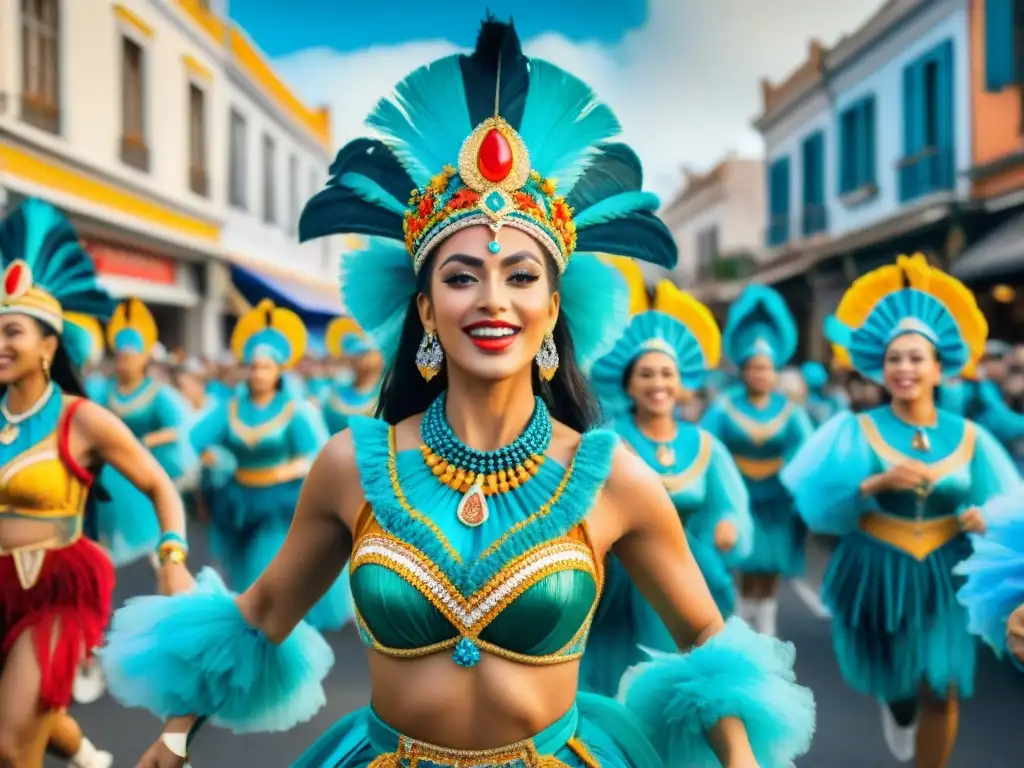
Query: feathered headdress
x=490, y=138
x=344, y=337
x=759, y=323
x=910, y=296
x=91, y=326
x=132, y=328
x=270, y=332
x=47, y=275
x=677, y=325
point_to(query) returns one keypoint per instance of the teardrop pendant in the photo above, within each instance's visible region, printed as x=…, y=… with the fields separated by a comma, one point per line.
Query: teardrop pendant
x=920, y=442
x=472, y=509
x=665, y=455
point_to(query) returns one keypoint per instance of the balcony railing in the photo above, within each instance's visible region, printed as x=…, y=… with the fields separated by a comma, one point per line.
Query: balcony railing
x=815, y=219
x=930, y=170
x=778, y=230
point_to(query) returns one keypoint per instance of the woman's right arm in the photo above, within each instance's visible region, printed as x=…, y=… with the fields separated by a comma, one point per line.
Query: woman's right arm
x=269, y=680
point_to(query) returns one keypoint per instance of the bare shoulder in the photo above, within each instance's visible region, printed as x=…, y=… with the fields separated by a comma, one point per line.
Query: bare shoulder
x=631, y=481
x=407, y=433
x=90, y=418
x=333, y=481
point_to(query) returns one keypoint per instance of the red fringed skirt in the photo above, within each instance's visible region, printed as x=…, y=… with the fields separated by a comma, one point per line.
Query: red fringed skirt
x=67, y=611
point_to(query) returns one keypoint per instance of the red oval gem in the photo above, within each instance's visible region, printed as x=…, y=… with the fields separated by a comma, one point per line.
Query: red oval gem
x=12, y=280
x=494, y=158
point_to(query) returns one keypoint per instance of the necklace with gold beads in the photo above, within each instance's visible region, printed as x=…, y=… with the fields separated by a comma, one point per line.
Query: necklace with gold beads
x=479, y=474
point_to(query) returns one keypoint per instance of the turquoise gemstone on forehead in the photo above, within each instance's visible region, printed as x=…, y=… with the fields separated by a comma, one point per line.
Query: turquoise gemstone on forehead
x=494, y=246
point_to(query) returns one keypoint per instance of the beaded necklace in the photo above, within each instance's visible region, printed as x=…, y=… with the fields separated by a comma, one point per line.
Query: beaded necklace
x=478, y=474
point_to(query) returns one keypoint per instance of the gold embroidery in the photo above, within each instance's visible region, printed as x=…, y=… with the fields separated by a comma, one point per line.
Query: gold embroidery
x=681, y=480
x=580, y=750
x=937, y=470
x=918, y=538
x=759, y=432
x=415, y=753
x=338, y=405
x=280, y=473
x=252, y=436
x=757, y=469
x=138, y=401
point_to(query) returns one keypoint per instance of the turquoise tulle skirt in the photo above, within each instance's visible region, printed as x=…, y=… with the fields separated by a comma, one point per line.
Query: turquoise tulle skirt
x=126, y=522
x=896, y=620
x=248, y=525
x=779, y=538
x=597, y=731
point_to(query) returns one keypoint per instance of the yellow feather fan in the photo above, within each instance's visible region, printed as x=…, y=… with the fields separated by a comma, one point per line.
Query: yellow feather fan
x=630, y=269
x=694, y=315
x=92, y=326
x=266, y=315
x=866, y=291
x=134, y=315
x=337, y=330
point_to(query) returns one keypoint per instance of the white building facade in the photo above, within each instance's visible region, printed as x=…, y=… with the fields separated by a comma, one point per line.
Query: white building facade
x=114, y=112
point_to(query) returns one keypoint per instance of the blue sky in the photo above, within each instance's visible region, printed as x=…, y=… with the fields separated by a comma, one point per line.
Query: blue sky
x=281, y=27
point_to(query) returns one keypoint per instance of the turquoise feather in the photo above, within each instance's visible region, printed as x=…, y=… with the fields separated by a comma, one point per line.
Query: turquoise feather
x=372, y=192
x=426, y=121
x=384, y=265
x=590, y=288
x=617, y=207
x=563, y=123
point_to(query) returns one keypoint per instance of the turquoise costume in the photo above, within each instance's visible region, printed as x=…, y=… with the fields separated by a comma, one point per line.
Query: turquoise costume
x=762, y=439
x=160, y=418
x=980, y=400
x=890, y=584
x=272, y=447
x=697, y=472
x=994, y=573
x=460, y=552
x=822, y=403
x=340, y=398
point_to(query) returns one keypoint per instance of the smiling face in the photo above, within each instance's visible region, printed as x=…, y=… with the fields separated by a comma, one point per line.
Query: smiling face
x=911, y=368
x=490, y=311
x=654, y=384
x=23, y=347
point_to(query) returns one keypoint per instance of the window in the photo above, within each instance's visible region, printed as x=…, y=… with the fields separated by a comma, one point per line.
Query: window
x=293, y=194
x=134, y=151
x=197, y=140
x=927, y=164
x=40, y=64
x=1004, y=43
x=857, y=147
x=812, y=162
x=707, y=251
x=269, y=208
x=778, y=202
x=238, y=156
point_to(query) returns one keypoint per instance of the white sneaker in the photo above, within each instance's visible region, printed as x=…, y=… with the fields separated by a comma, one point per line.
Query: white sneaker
x=90, y=757
x=767, y=617
x=901, y=740
x=89, y=683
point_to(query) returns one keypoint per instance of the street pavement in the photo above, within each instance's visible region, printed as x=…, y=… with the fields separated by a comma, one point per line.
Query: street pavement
x=849, y=729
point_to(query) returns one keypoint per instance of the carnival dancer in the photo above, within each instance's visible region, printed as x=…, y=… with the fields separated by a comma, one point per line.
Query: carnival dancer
x=762, y=429
x=823, y=402
x=476, y=554
x=345, y=340
x=55, y=585
x=993, y=588
x=158, y=416
x=670, y=346
x=273, y=433
x=910, y=480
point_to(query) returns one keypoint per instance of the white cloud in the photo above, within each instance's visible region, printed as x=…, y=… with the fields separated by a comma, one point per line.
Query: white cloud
x=685, y=86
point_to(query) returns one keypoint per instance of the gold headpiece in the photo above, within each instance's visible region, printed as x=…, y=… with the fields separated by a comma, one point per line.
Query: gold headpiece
x=337, y=330
x=133, y=326
x=92, y=326
x=22, y=296
x=639, y=301
x=695, y=316
x=268, y=327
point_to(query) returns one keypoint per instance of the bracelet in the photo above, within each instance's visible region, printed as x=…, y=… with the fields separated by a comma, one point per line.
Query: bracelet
x=175, y=555
x=170, y=537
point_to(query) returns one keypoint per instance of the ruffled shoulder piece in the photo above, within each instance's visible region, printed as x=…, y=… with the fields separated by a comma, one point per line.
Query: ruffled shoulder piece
x=995, y=572
x=569, y=505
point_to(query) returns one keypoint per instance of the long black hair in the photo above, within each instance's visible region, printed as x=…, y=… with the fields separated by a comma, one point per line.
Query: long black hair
x=404, y=393
x=62, y=372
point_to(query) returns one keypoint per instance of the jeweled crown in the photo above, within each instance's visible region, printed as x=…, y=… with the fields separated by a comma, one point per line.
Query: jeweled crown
x=493, y=185
x=21, y=295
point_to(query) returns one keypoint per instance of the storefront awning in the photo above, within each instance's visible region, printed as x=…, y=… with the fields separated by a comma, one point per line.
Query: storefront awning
x=313, y=301
x=999, y=254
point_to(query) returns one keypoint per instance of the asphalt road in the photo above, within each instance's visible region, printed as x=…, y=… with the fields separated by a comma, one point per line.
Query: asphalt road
x=849, y=730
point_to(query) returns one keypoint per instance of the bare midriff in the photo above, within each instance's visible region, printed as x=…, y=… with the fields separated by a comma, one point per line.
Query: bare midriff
x=17, y=532
x=495, y=703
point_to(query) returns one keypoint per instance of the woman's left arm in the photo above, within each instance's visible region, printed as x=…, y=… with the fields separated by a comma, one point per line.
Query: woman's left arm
x=733, y=684
x=104, y=439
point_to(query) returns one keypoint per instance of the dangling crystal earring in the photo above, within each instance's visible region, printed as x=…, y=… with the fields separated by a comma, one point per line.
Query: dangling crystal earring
x=547, y=357
x=429, y=356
